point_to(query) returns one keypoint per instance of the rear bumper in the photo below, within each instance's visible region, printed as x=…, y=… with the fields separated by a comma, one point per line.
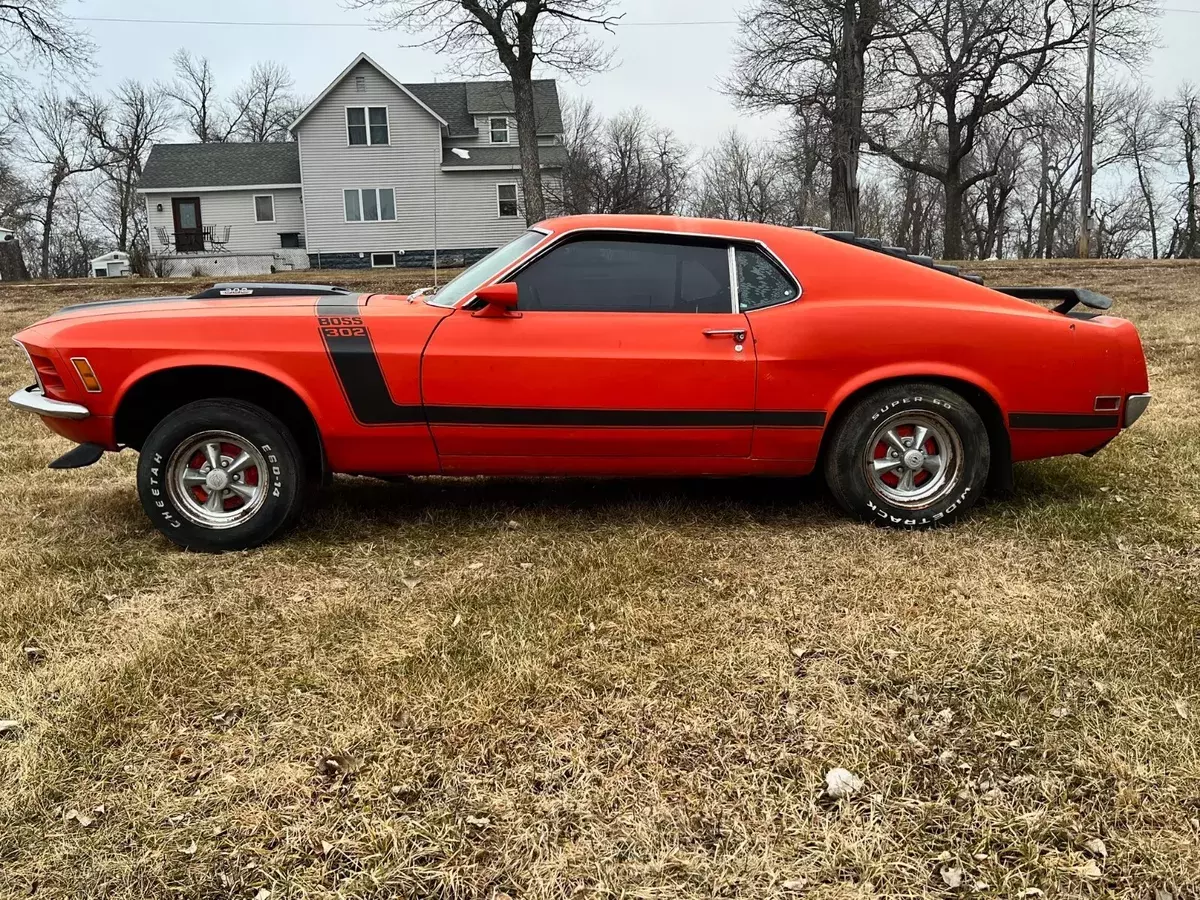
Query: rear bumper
x=31, y=399
x=1135, y=405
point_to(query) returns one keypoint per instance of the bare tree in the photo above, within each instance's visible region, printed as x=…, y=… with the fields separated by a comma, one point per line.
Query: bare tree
x=971, y=61
x=34, y=32
x=53, y=139
x=194, y=90
x=744, y=181
x=504, y=36
x=122, y=129
x=1183, y=113
x=805, y=54
x=264, y=106
x=1140, y=127
x=624, y=165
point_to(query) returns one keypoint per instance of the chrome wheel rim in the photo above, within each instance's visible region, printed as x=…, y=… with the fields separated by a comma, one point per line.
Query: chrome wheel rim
x=218, y=479
x=913, y=459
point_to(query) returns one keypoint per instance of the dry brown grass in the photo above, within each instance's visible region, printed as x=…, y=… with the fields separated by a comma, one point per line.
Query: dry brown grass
x=614, y=689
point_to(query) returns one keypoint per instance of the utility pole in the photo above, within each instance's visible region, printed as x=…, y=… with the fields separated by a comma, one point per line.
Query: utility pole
x=1089, y=127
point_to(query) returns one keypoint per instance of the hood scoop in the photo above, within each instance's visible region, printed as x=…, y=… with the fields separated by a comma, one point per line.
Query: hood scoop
x=268, y=289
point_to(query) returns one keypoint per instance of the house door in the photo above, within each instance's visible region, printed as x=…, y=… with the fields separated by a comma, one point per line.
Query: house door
x=626, y=347
x=189, y=228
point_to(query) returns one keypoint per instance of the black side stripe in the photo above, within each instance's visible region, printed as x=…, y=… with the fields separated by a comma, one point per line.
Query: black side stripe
x=621, y=418
x=1063, y=421
x=353, y=356
x=357, y=366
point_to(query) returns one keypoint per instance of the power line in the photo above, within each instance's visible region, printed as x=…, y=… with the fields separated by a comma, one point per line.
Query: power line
x=133, y=21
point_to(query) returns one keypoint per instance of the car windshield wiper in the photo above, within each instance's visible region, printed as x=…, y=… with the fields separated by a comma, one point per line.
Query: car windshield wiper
x=422, y=294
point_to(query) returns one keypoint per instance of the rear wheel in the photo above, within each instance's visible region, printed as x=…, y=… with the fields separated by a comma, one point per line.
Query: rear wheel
x=910, y=456
x=220, y=475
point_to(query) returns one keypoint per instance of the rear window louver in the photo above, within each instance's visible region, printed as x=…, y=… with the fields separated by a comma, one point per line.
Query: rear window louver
x=259, y=289
x=849, y=237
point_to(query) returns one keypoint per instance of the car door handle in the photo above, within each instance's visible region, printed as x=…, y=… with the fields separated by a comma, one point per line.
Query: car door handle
x=738, y=334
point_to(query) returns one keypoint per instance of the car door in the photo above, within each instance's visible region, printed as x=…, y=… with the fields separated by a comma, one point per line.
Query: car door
x=624, y=346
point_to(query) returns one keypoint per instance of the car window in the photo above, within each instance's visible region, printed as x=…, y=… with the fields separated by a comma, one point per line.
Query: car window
x=616, y=274
x=760, y=281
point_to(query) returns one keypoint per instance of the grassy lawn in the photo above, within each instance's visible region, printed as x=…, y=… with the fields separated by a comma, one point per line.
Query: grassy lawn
x=554, y=689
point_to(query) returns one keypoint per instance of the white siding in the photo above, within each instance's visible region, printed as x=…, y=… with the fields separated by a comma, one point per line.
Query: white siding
x=468, y=215
x=235, y=208
x=408, y=165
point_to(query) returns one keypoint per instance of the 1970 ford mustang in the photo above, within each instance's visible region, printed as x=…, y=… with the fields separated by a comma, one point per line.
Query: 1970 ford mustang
x=593, y=345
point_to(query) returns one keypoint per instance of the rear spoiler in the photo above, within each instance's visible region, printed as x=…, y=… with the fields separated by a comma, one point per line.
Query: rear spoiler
x=1066, y=298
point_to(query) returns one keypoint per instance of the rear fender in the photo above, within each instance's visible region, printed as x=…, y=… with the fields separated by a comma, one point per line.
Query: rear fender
x=916, y=371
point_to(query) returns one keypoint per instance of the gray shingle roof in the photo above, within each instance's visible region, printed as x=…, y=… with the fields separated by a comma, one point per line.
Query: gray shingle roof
x=458, y=102
x=220, y=165
x=481, y=157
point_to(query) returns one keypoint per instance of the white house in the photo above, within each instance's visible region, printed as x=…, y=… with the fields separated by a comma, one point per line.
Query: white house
x=110, y=265
x=380, y=174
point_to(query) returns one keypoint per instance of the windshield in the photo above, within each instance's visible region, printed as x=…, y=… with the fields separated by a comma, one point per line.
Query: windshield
x=485, y=270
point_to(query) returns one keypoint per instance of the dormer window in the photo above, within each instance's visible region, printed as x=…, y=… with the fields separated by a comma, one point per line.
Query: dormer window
x=499, y=129
x=367, y=125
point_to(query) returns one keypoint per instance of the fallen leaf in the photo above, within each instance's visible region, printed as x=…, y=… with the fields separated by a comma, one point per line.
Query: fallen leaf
x=263, y=894
x=1096, y=847
x=74, y=815
x=1088, y=870
x=513, y=524
x=479, y=821
x=337, y=764
x=794, y=884
x=475, y=565
x=1163, y=894
x=841, y=783
x=326, y=848
x=34, y=654
x=1060, y=712
x=9, y=728
x=411, y=583
x=1034, y=892
x=457, y=621
x=952, y=876
x=1181, y=707
x=189, y=850
x=981, y=886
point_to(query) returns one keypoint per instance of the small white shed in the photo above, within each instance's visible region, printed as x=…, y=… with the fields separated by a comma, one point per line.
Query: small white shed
x=110, y=265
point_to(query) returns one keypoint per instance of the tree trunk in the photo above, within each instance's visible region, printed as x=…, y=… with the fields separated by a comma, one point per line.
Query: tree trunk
x=531, y=167
x=846, y=126
x=48, y=224
x=1189, y=154
x=1148, y=197
x=952, y=233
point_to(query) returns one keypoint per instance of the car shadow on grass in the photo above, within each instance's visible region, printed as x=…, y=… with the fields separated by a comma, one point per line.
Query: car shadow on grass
x=581, y=503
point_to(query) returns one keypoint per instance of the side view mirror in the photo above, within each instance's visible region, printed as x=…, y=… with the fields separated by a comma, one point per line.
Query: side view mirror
x=501, y=300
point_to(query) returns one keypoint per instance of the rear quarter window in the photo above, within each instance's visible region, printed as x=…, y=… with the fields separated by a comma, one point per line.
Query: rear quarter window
x=761, y=282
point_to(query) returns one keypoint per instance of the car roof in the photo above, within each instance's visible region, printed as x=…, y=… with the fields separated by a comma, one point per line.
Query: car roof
x=721, y=228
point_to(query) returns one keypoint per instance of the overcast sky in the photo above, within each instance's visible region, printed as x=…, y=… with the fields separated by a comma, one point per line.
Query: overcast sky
x=672, y=70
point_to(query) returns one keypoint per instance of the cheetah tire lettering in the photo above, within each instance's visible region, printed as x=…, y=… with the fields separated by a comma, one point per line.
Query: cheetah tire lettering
x=845, y=457
x=286, y=473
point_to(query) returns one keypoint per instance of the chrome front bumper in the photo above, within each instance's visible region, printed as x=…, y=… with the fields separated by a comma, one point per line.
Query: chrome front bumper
x=1135, y=405
x=31, y=399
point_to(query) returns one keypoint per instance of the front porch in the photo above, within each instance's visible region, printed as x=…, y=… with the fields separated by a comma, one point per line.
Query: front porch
x=229, y=264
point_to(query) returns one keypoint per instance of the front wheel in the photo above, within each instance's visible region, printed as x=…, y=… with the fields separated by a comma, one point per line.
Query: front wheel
x=220, y=475
x=909, y=456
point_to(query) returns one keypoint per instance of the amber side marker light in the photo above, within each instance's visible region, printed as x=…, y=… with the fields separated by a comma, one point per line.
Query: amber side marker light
x=86, y=375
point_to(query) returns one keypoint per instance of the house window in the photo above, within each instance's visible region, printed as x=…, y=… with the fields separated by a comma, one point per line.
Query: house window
x=264, y=208
x=383, y=260
x=367, y=125
x=370, y=205
x=499, y=129
x=506, y=201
